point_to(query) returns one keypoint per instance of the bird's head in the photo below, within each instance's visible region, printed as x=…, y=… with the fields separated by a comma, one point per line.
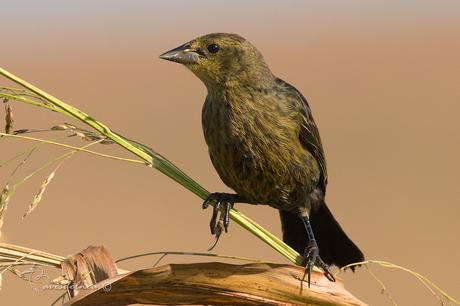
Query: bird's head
x=222, y=59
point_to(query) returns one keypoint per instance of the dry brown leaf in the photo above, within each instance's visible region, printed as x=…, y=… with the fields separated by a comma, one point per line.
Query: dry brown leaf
x=8, y=117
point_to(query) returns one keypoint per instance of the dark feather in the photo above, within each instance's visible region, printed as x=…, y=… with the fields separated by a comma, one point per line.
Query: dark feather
x=309, y=133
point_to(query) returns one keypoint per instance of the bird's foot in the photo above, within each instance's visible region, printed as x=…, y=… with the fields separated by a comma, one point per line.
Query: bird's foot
x=220, y=200
x=311, y=258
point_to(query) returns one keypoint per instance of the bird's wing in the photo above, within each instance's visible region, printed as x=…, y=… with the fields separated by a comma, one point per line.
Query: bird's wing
x=308, y=134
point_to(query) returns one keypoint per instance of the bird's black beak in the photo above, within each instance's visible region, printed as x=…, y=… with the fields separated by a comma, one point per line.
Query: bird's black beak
x=184, y=54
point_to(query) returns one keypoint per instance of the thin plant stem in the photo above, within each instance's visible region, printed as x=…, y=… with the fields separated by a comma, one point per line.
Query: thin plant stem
x=73, y=147
x=188, y=254
x=59, y=158
x=434, y=289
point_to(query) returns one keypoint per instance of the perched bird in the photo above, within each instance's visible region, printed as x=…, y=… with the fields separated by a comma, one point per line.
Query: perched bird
x=265, y=145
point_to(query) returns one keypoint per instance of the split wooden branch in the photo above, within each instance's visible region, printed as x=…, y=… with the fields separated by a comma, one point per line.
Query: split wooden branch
x=215, y=283
x=92, y=278
x=210, y=283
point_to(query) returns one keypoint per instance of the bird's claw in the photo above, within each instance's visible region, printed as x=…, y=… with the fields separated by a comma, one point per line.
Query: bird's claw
x=221, y=200
x=218, y=232
x=215, y=213
x=311, y=258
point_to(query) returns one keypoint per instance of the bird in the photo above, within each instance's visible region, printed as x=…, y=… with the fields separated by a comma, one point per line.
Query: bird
x=265, y=145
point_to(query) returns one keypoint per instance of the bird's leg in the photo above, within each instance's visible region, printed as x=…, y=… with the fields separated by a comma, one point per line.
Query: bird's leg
x=311, y=254
x=227, y=200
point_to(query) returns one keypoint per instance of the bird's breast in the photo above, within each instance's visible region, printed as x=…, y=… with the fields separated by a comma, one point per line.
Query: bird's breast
x=254, y=146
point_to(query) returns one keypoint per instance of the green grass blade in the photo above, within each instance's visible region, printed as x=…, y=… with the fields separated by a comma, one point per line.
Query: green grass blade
x=151, y=157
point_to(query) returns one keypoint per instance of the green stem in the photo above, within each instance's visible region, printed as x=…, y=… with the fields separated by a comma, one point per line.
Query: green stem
x=152, y=158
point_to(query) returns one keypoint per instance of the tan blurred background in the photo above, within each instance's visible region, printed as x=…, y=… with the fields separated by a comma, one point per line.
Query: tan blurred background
x=383, y=81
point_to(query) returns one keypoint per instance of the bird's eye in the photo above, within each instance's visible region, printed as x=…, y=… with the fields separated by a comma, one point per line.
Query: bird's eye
x=213, y=48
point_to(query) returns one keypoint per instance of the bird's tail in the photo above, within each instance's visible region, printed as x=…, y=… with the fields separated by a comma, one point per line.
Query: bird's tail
x=335, y=248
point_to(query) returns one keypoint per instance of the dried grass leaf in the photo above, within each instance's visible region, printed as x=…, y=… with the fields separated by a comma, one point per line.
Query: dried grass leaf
x=4, y=199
